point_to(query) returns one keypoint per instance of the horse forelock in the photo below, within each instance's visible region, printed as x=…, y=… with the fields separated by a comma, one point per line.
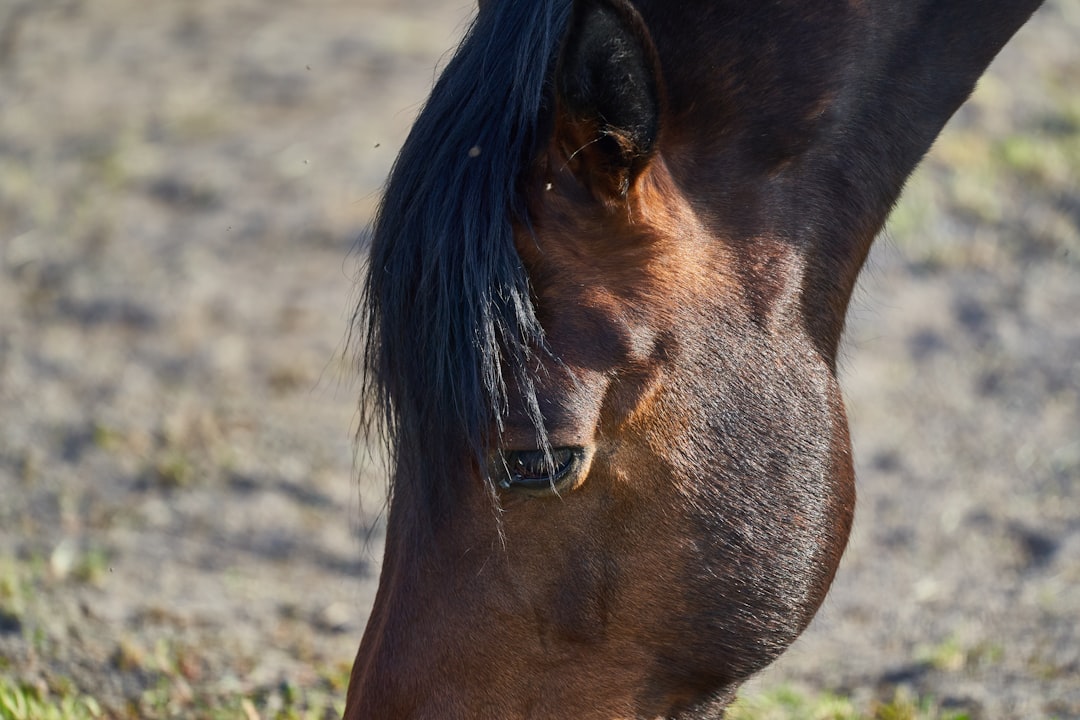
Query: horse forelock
x=446, y=318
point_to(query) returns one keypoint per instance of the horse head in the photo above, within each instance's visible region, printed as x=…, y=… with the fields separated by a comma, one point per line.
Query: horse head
x=605, y=295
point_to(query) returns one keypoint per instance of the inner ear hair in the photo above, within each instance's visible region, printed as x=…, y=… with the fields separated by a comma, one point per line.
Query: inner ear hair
x=609, y=95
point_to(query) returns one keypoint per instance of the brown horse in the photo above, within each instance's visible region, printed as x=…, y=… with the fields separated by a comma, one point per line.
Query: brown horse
x=606, y=288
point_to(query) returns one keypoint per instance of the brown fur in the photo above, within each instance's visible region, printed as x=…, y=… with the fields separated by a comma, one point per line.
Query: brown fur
x=690, y=272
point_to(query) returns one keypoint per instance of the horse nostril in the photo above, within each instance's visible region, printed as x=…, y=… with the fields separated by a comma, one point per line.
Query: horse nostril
x=539, y=470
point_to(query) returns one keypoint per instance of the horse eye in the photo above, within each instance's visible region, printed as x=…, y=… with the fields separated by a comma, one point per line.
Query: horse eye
x=538, y=472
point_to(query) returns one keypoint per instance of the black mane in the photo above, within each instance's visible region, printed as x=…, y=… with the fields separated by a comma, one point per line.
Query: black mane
x=448, y=320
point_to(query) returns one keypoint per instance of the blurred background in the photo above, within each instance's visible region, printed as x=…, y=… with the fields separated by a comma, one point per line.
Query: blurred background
x=184, y=531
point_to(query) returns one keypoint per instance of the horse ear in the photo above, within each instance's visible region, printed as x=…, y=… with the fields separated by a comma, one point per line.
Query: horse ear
x=609, y=96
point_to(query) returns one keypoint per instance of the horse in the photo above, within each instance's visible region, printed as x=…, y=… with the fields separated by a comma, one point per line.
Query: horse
x=600, y=322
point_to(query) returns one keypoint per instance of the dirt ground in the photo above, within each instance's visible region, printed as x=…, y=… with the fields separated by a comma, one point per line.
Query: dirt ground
x=182, y=186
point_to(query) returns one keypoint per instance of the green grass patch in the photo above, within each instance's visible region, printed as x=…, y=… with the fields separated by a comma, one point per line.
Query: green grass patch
x=786, y=703
x=26, y=702
x=172, y=696
x=15, y=592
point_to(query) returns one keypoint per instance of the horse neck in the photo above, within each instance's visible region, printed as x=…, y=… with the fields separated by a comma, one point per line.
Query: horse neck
x=813, y=128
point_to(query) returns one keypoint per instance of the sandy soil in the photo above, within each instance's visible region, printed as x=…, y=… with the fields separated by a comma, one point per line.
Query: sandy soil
x=181, y=190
